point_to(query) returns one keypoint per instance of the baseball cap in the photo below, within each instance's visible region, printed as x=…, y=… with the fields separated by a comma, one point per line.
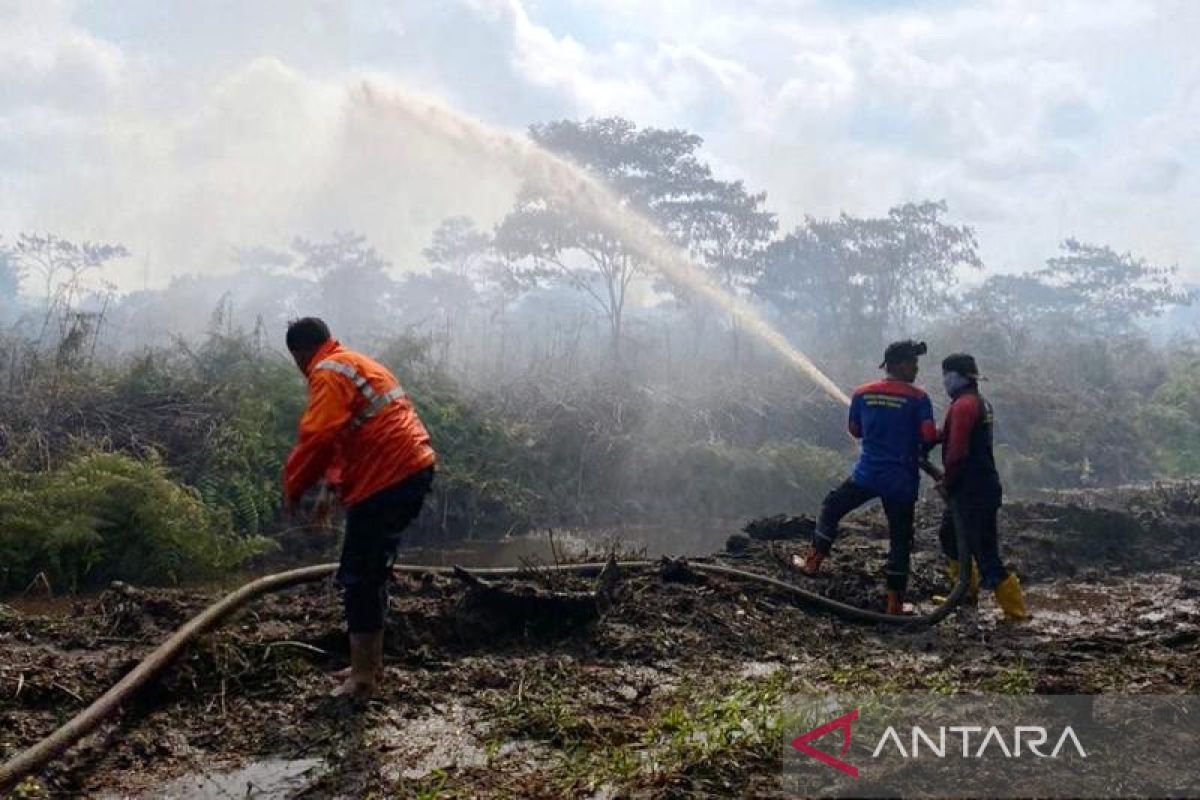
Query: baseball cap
x=899, y=352
x=962, y=363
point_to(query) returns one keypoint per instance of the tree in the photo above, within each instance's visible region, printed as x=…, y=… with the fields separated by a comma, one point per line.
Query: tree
x=460, y=248
x=10, y=276
x=727, y=231
x=1171, y=420
x=458, y=245
x=64, y=267
x=63, y=264
x=863, y=280
x=354, y=291
x=1110, y=292
x=655, y=173
x=264, y=258
x=347, y=250
x=1087, y=291
x=988, y=324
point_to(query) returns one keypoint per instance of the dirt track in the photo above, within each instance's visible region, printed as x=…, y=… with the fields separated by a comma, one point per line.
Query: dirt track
x=670, y=692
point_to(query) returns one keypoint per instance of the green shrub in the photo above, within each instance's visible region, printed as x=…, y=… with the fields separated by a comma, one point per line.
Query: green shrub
x=251, y=398
x=1021, y=473
x=1171, y=420
x=720, y=481
x=484, y=472
x=105, y=517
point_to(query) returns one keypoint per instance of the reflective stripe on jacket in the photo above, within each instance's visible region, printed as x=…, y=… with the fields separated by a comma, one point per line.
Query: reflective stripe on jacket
x=360, y=428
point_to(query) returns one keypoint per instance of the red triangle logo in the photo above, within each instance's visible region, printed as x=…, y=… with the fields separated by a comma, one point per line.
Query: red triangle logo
x=843, y=722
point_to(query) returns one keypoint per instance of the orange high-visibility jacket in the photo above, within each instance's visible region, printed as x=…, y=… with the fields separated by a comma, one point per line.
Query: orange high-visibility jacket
x=359, y=426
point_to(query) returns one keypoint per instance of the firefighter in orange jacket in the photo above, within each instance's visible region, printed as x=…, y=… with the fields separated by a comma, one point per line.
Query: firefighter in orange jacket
x=360, y=429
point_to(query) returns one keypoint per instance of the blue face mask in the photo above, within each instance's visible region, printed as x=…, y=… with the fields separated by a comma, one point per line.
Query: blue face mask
x=954, y=382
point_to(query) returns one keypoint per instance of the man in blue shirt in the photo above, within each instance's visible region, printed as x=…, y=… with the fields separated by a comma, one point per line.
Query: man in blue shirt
x=894, y=420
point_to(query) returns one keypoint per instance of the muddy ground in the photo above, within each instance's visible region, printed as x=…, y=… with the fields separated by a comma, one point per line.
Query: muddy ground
x=672, y=691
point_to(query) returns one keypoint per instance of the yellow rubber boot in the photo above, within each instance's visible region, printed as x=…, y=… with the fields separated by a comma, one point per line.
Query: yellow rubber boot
x=1012, y=602
x=952, y=567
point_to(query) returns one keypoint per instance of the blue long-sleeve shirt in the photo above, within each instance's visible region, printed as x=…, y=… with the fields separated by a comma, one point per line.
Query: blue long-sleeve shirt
x=894, y=419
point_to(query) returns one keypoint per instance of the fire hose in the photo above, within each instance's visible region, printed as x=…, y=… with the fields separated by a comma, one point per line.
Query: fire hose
x=59, y=741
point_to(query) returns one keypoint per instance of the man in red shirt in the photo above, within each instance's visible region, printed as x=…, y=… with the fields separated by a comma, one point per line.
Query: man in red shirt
x=360, y=429
x=971, y=484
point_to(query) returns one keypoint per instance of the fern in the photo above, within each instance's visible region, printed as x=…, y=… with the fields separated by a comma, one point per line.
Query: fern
x=106, y=516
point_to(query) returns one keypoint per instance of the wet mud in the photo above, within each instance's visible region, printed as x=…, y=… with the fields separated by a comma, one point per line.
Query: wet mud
x=669, y=690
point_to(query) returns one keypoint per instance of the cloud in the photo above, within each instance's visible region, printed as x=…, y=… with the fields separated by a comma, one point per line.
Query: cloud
x=47, y=63
x=1158, y=175
x=260, y=155
x=185, y=130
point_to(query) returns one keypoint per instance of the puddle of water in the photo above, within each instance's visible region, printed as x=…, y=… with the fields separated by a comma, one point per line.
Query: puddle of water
x=1067, y=618
x=270, y=779
x=1072, y=605
x=529, y=751
x=442, y=740
x=759, y=669
x=1072, y=599
x=40, y=605
x=656, y=540
x=510, y=552
x=1142, y=606
x=453, y=736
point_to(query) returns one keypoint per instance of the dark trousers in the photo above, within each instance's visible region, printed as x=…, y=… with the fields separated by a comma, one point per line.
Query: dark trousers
x=373, y=529
x=979, y=522
x=849, y=496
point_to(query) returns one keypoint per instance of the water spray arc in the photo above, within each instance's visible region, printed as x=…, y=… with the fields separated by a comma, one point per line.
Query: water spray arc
x=591, y=200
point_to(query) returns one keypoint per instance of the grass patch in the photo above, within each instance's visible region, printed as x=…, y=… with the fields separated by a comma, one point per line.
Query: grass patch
x=861, y=678
x=942, y=682
x=1014, y=679
x=703, y=734
x=705, y=737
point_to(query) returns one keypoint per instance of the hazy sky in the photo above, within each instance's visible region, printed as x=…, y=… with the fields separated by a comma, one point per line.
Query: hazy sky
x=185, y=129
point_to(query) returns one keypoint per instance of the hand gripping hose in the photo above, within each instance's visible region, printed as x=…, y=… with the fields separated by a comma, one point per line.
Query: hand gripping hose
x=40, y=754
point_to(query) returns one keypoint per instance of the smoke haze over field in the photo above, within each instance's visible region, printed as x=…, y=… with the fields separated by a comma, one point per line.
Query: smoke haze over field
x=187, y=130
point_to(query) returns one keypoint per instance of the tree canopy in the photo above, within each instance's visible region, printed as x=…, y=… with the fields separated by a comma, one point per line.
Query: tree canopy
x=860, y=280
x=657, y=173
